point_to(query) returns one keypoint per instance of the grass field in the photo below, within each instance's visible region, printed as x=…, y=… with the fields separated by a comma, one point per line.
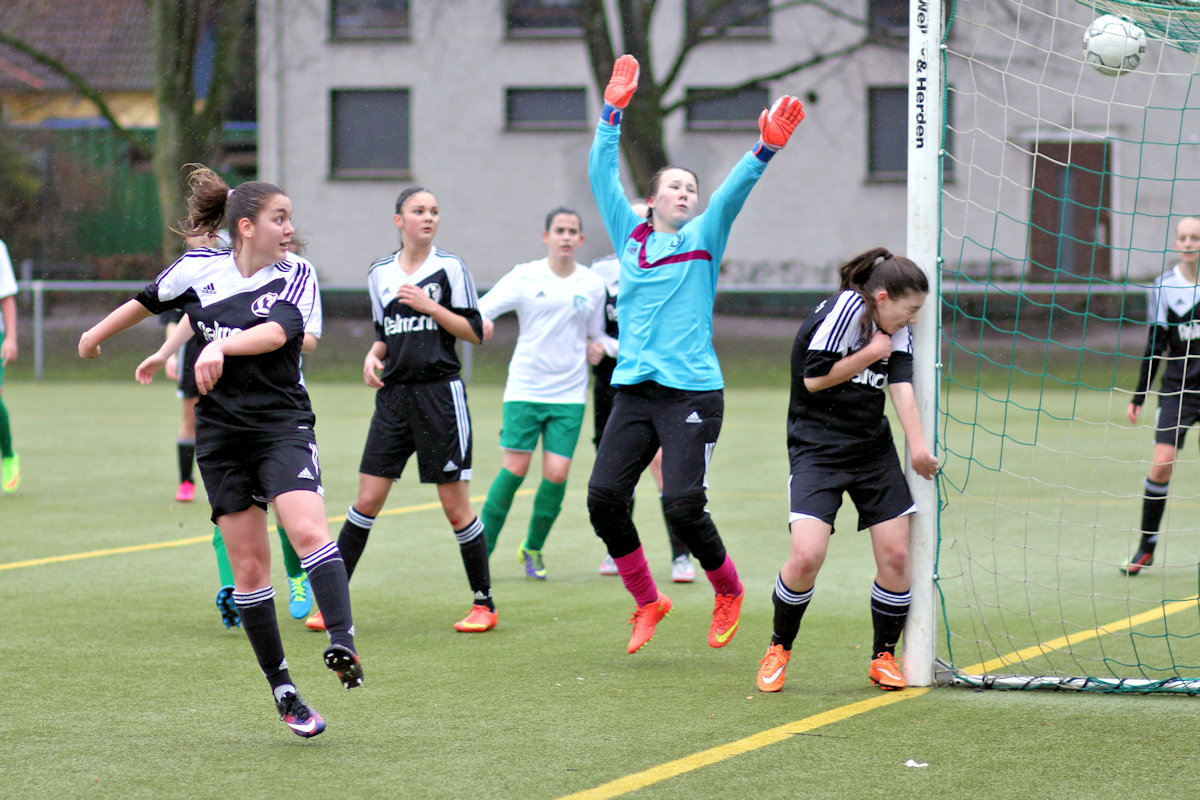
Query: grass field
x=122, y=682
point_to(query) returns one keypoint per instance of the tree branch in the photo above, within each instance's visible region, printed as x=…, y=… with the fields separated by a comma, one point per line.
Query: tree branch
x=81, y=87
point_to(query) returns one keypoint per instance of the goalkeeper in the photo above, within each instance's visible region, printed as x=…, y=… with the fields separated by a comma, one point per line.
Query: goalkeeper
x=668, y=381
x=1174, y=308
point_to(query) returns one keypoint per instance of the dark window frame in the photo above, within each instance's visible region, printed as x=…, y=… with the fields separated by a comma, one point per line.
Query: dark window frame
x=579, y=94
x=760, y=29
x=338, y=34
x=354, y=172
x=539, y=32
x=901, y=175
x=693, y=93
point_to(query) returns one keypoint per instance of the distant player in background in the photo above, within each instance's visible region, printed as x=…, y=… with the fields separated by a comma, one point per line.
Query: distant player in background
x=609, y=269
x=669, y=383
x=422, y=301
x=10, y=461
x=1174, y=329
x=560, y=311
x=839, y=441
x=254, y=423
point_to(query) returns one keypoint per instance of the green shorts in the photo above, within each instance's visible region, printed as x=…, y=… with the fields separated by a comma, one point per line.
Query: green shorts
x=558, y=425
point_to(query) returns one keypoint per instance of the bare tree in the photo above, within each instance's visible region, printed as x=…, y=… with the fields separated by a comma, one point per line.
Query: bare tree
x=189, y=128
x=642, y=123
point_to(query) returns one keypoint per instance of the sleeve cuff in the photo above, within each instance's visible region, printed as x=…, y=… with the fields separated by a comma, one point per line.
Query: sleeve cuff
x=763, y=152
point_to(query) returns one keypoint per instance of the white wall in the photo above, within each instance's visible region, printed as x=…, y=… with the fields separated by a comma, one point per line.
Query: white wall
x=813, y=207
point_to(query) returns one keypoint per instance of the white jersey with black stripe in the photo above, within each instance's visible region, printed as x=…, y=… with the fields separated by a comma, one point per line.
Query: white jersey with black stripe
x=843, y=425
x=258, y=393
x=418, y=349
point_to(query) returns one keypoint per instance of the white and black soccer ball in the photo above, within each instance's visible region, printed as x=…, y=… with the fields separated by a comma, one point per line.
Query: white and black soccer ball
x=1113, y=45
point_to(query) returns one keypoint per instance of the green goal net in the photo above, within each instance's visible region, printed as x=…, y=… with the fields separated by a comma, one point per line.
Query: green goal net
x=1060, y=189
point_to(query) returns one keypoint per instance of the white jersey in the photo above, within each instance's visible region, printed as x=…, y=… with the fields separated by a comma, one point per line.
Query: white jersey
x=556, y=316
x=8, y=281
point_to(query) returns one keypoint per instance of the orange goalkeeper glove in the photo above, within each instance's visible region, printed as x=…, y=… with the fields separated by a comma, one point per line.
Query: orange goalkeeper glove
x=623, y=82
x=777, y=124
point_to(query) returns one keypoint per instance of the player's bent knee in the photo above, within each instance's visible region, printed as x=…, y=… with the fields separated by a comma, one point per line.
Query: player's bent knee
x=610, y=515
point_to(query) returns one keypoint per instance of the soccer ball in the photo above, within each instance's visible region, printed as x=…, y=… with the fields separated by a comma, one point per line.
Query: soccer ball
x=1113, y=45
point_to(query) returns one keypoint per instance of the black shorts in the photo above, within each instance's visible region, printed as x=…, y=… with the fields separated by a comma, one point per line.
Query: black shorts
x=187, y=369
x=646, y=416
x=877, y=489
x=243, y=472
x=603, y=394
x=1177, y=412
x=429, y=419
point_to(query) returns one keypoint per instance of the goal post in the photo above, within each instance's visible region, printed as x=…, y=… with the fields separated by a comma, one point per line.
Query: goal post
x=1043, y=197
x=925, y=72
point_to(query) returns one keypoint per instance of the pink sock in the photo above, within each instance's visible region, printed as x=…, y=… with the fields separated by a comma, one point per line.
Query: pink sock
x=635, y=572
x=724, y=578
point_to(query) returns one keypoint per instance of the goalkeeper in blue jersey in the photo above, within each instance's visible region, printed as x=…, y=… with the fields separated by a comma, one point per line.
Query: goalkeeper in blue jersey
x=1174, y=324
x=669, y=384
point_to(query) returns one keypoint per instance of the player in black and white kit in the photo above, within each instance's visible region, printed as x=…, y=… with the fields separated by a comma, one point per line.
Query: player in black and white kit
x=1174, y=325
x=423, y=300
x=255, y=442
x=839, y=441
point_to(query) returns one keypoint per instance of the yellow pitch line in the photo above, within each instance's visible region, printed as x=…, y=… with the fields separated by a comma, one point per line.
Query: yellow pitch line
x=138, y=548
x=1080, y=636
x=671, y=769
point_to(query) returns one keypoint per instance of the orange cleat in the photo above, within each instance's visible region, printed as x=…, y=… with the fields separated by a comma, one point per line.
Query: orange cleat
x=316, y=622
x=885, y=673
x=773, y=668
x=727, y=610
x=479, y=620
x=645, y=618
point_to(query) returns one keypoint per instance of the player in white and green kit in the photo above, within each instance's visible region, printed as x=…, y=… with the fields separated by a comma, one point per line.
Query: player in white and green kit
x=560, y=311
x=10, y=462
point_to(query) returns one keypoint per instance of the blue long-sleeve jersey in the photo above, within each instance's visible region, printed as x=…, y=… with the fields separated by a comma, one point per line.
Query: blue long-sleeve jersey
x=668, y=280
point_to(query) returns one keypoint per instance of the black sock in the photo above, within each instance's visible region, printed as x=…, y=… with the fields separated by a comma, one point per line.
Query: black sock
x=257, y=610
x=473, y=547
x=331, y=589
x=353, y=538
x=889, y=611
x=789, y=610
x=186, y=449
x=1154, y=504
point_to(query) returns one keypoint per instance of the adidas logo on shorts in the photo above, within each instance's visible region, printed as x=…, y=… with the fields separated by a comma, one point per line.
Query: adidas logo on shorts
x=304, y=473
x=450, y=466
x=693, y=418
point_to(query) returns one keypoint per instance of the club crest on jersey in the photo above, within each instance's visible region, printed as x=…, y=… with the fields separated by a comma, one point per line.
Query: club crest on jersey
x=262, y=304
x=434, y=291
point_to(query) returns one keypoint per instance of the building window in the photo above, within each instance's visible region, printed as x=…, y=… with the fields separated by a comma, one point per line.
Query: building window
x=887, y=134
x=370, y=136
x=730, y=17
x=887, y=19
x=736, y=111
x=546, y=109
x=528, y=18
x=368, y=19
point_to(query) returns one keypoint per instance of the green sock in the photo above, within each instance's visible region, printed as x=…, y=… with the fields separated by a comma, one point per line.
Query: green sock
x=291, y=561
x=6, y=449
x=546, y=505
x=499, y=501
x=223, y=568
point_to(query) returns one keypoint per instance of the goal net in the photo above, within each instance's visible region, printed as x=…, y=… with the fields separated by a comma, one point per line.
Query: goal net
x=1060, y=192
